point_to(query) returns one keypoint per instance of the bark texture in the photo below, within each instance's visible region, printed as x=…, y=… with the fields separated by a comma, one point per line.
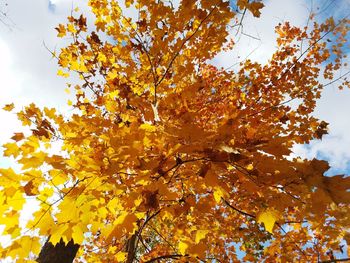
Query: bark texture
x=60, y=253
x=130, y=249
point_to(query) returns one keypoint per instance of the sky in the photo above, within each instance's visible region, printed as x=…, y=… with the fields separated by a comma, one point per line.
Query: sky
x=28, y=72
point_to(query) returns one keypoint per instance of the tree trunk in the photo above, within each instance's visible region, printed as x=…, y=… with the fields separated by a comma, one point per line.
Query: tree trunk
x=61, y=253
x=130, y=248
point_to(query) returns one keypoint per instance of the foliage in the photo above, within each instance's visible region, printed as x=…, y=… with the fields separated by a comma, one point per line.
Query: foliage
x=168, y=157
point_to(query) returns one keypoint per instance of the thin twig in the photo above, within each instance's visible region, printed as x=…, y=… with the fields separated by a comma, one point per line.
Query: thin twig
x=336, y=260
x=174, y=256
x=182, y=45
x=238, y=210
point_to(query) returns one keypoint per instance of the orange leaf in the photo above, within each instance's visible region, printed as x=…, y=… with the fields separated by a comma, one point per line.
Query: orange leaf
x=18, y=136
x=28, y=188
x=9, y=107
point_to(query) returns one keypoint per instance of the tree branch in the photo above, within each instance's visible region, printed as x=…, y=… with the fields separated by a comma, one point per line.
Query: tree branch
x=238, y=210
x=182, y=45
x=131, y=248
x=174, y=256
x=336, y=260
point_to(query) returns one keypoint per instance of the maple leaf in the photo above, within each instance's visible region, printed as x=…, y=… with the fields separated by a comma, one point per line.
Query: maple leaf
x=28, y=188
x=9, y=107
x=61, y=30
x=201, y=234
x=268, y=218
x=18, y=136
x=11, y=149
x=255, y=7
x=182, y=247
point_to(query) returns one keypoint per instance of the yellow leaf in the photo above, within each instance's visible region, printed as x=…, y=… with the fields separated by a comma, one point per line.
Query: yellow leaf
x=9, y=107
x=148, y=127
x=218, y=194
x=14, y=250
x=9, y=175
x=74, y=65
x=114, y=94
x=30, y=244
x=45, y=193
x=182, y=247
x=57, y=233
x=102, y=58
x=43, y=220
x=36, y=160
x=71, y=28
x=10, y=221
x=69, y=210
x=11, y=149
x=58, y=177
x=78, y=234
x=200, y=234
x=60, y=72
x=121, y=256
x=128, y=3
x=250, y=167
x=268, y=218
x=112, y=74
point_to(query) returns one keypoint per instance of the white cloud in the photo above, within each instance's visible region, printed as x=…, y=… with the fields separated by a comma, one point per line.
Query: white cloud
x=27, y=71
x=334, y=108
x=55, y=2
x=10, y=87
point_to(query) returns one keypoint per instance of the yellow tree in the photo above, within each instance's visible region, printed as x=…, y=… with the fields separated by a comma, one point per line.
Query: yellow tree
x=168, y=158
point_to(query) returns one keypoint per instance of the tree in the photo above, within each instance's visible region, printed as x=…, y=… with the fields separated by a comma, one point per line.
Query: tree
x=168, y=158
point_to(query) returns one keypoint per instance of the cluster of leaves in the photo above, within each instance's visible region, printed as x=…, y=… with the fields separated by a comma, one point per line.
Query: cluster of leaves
x=167, y=156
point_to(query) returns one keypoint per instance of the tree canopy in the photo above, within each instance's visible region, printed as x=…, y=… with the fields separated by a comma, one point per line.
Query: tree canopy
x=166, y=157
